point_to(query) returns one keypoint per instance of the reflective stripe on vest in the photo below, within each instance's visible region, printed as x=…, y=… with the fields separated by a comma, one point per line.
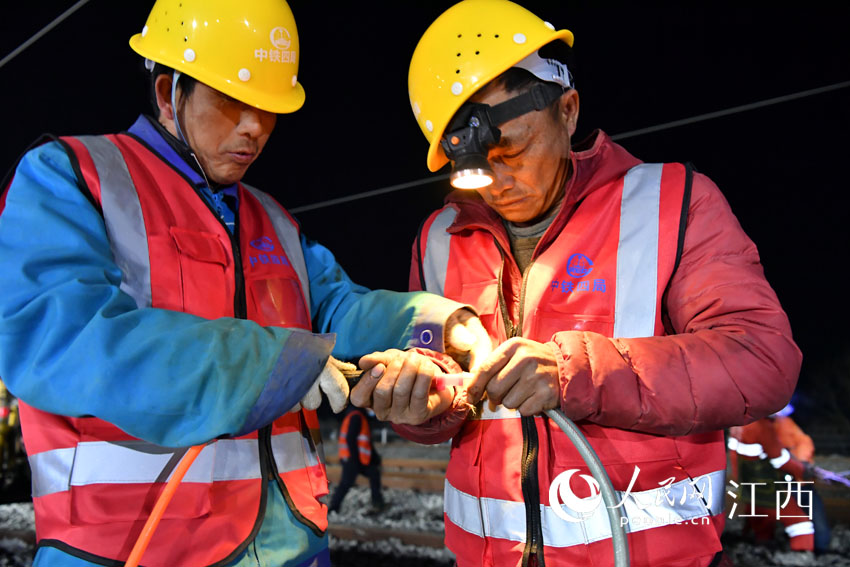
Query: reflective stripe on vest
x=138, y=462
x=436, y=259
x=505, y=519
x=637, y=253
x=122, y=214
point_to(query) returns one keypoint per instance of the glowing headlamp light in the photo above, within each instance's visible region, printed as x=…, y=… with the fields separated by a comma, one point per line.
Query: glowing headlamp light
x=471, y=135
x=474, y=130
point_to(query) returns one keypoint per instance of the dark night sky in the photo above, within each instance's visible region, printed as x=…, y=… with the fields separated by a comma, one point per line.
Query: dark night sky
x=637, y=65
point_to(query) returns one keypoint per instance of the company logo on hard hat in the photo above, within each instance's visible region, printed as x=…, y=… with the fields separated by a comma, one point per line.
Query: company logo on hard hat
x=280, y=51
x=265, y=244
x=280, y=38
x=579, y=265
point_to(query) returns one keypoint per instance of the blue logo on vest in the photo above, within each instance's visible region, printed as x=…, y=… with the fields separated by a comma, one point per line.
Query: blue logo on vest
x=265, y=244
x=579, y=265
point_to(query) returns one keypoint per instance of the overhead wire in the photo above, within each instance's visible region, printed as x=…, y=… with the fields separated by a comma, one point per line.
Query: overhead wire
x=616, y=137
x=437, y=178
x=38, y=35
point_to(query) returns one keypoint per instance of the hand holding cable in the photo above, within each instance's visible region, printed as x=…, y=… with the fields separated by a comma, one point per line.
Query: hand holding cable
x=519, y=374
x=404, y=387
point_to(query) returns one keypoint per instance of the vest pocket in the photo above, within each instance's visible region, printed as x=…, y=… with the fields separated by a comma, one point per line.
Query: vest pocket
x=203, y=261
x=278, y=302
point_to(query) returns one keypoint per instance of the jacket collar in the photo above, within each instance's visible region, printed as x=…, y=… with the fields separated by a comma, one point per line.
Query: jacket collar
x=172, y=150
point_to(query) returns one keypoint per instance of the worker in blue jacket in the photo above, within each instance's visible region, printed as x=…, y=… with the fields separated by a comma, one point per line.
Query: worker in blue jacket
x=151, y=301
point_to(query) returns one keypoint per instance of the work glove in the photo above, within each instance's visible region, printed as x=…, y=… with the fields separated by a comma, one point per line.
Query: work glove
x=467, y=341
x=332, y=382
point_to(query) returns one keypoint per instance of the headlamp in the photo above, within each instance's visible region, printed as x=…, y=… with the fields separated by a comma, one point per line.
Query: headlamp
x=474, y=130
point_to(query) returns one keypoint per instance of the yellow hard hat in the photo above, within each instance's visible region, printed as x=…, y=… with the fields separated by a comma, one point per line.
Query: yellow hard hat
x=246, y=49
x=469, y=45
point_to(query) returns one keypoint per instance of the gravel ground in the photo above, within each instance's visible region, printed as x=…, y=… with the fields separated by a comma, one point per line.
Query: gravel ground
x=424, y=512
x=414, y=511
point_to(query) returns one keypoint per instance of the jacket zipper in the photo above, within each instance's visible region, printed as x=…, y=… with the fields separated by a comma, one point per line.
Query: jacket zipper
x=265, y=436
x=532, y=555
x=268, y=468
x=240, y=303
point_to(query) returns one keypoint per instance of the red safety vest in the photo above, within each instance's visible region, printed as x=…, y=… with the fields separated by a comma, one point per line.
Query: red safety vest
x=364, y=439
x=497, y=496
x=93, y=485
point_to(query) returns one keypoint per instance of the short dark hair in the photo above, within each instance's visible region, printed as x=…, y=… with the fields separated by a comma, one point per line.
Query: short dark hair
x=186, y=83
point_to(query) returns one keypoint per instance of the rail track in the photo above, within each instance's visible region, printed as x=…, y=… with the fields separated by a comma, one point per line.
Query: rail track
x=425, y=475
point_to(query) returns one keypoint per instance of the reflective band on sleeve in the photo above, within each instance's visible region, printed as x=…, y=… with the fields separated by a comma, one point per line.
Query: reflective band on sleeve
x=801, y=529
x=287, y=235
x=748, y=449
x=122, y=213
x=783, y=458
x=137, y=462
x=683, y=501
x=436, y=260
x=637, y=253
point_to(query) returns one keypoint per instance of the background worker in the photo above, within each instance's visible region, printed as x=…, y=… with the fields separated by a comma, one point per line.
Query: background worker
x=624, y=293
x=357, y=455
x=151, y=301
x=768, y=454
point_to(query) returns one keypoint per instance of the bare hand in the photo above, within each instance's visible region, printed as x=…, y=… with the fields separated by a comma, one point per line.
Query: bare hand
x=520, y=374
x=403, y=392
x=467, y=341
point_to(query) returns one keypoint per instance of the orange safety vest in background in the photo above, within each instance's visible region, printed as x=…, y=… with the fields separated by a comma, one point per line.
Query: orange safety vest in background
x=497, y=493
x=364, y=439
x=94, y=485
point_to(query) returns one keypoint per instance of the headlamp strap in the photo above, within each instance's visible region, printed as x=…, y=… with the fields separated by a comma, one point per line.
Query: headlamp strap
x=538, y=97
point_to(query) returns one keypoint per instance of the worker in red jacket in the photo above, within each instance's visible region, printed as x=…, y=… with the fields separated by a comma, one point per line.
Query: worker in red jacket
x=623, y=293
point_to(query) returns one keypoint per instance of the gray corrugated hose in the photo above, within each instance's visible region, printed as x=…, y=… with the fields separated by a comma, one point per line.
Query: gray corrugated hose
x=615, y=513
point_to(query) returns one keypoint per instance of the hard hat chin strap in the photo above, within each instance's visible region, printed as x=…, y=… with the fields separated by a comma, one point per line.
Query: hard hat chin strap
x=175, y=77
x=180, y=135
